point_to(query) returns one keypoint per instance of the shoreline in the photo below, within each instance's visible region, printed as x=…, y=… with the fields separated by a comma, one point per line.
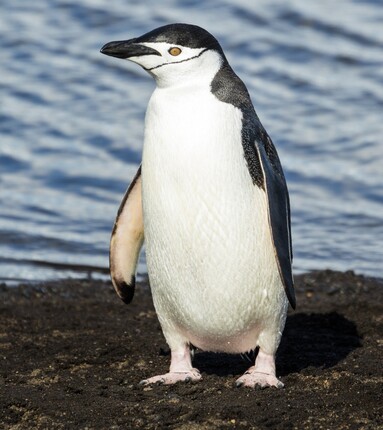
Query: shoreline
x=72, y=355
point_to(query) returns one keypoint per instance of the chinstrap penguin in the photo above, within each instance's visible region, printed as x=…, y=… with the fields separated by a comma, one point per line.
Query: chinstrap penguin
x=211, y=200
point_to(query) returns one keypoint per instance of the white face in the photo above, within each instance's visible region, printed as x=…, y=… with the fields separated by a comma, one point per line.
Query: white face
x=178, y=64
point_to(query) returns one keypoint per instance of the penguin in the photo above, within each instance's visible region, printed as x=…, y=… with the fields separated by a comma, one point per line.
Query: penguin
x=211, y=200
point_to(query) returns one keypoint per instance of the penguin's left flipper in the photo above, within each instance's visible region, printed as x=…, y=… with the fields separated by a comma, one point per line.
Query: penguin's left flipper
x=126, y=241
x=279, y=212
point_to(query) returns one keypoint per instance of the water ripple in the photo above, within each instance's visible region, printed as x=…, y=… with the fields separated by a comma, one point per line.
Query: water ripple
x=71, y=123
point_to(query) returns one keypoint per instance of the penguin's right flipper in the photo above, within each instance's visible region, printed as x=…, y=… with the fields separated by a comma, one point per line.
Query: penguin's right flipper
x=126, y=241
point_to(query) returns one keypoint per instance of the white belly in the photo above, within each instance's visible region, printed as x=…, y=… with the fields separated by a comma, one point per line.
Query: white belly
x=210, y=258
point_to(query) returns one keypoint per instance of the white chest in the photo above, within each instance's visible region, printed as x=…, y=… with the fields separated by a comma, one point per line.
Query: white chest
x=192, y=146
x=206, y=225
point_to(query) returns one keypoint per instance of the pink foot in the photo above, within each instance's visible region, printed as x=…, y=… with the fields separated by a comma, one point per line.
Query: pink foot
x=253, y=379
x=261, y=375
x=181, y=369
x=173, y=377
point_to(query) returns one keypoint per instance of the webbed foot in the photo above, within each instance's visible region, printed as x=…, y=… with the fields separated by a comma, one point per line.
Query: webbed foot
x=170, y=378
x=181, y=369
x=261, y=375
x=254, y=379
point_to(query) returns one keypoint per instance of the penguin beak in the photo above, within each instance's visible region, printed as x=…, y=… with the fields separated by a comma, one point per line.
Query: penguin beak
x=127, y=49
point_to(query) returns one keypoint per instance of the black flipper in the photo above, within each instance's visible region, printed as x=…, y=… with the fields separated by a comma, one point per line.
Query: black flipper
x=126, y=241
x=279, y=213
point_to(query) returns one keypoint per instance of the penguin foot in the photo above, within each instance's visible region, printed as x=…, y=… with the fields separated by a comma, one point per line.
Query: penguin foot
x=181, y=369
x=255, y=379
x=170, y=378
x=261, y=375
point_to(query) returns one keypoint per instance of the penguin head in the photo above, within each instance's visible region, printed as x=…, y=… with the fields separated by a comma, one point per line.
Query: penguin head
x=172, y=54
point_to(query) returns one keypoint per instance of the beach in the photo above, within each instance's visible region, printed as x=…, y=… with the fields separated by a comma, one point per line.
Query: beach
x=72, y=355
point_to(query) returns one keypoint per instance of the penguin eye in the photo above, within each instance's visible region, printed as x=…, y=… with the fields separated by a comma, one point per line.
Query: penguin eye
x=174, y=51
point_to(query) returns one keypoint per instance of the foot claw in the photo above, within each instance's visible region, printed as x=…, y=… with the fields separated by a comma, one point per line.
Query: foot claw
x=258, y=380
x=173, y=377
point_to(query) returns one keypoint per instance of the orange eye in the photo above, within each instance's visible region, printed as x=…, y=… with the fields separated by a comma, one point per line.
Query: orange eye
x=174, y=51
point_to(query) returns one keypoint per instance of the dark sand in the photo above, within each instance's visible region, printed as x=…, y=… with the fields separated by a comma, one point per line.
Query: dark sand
x=72, y=355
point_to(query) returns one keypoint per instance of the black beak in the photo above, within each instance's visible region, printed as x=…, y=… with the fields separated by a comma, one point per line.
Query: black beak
x=127, y=49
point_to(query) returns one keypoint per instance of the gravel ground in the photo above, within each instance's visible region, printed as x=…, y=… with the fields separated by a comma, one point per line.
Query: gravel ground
x=72, y=355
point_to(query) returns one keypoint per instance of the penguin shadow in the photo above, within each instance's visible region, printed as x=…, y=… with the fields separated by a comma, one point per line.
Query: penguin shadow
x=316, y=340
x=309, y=340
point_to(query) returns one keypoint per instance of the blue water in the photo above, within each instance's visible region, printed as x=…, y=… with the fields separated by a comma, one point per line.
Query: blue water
x=71, y=122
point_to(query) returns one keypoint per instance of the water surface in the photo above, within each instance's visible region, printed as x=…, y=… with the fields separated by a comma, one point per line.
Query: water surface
x=71, y=123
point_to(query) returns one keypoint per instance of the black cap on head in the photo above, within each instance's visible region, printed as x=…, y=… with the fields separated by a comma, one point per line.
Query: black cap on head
x=187, y=35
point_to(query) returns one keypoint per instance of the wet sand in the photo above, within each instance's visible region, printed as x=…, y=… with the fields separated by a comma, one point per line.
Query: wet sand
x=72, y=355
